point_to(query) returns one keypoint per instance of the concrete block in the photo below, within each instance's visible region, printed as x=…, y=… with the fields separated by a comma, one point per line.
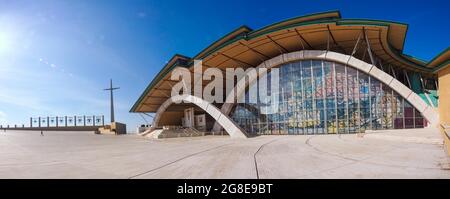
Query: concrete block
x=381, y=75
x=203, y=104
x=417, y=102
x=157, y=117
x=213, y=111
x=174, y=99
x=119, y=128
x=337, y=57
x=360, y=65
x=431, y=115
x=235, y=132
x=230, y=127
x=167, y=103
x=274, y=61
x=222, y=121
x=262, y=65
x=293, y=56
x=400, y=88
x=314, y=54
x=195, y=100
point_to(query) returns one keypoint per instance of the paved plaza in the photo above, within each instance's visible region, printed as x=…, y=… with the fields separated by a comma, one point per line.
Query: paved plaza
x=409, y=153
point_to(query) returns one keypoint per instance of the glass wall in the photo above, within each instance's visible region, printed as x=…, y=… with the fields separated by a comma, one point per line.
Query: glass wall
x=321, y=97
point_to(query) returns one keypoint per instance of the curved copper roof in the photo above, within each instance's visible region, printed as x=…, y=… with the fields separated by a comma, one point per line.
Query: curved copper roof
x=245, y=47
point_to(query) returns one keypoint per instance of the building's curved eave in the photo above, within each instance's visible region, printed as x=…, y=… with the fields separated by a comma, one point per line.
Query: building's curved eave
x=172, y=63
x=414, y=59
x=440, y=58
x=346, y=22
x=239, y=33
x=245, y=33
x=441, y=66
x=230, y=36
x=329, y=15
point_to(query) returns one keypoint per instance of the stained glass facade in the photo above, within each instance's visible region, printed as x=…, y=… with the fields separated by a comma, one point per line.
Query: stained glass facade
x=322, y=97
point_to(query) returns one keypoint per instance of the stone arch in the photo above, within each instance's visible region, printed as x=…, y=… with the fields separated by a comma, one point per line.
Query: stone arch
x=223, y=120
x=427, y=111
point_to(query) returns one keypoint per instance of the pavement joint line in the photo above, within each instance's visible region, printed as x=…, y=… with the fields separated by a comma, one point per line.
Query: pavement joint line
x=346, y=164
x=254, y=156
x=394, y=148
x=307, y=142
x=377, y=158
x=365, y=160
x=19, y=146
x=368, y=144
x=177, y=160
x=32, y=164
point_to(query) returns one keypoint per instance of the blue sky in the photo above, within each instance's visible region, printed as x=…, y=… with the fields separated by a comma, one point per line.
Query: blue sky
x=57, y=56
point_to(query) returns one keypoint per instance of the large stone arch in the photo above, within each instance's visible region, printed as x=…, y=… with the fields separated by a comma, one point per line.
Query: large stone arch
x=222, y=120
x=428, y=112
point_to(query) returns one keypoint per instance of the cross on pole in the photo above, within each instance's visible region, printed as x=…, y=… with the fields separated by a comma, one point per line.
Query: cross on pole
x=111, y=88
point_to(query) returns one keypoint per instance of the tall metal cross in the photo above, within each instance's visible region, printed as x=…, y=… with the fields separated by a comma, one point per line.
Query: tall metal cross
x=112, y=98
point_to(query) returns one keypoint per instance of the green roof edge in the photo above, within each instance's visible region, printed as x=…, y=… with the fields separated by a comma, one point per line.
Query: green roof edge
x=248, y=35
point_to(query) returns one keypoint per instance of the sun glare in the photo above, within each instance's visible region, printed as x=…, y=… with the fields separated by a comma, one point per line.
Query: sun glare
x=8, y=36
x=5, y=42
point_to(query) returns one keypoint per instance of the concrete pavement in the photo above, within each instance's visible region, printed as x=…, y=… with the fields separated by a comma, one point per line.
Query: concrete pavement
x=408, y=153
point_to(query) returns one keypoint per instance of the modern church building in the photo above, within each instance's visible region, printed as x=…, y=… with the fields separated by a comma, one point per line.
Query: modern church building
x=337, y=76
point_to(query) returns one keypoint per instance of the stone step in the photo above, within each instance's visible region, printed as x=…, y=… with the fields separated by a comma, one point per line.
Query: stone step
x=173, y=133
